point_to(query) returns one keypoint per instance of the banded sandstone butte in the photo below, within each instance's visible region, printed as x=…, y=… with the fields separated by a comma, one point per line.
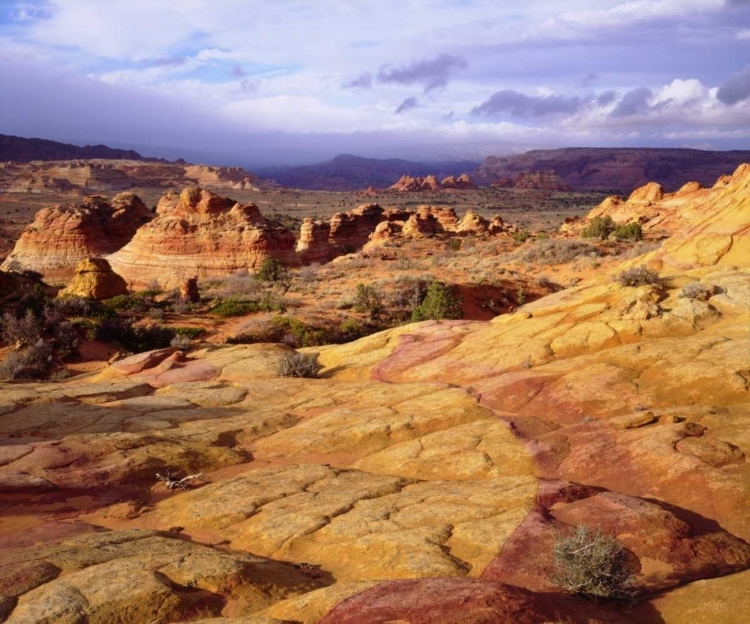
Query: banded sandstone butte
x=61, y=236
x=199, y=234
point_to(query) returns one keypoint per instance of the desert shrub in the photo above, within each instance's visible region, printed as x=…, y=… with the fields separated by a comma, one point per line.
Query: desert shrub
x=156, y=314
x=134, y=338
x=21, y=332
x=440, y=302
x=522, y=236
x=70, y=306
x=631, y=231
x=368, y=299
x=638, y=276
x=350, y=329
x=409, y=292
x=33, y=362
x=135, y=303
x=555, y=251
x=272, y=270
x=296, y=364
x=241, y=284
x=189, y=332
x=181, y=342
x=181, y=306
x=695, y=290
x=66, y=339
x=309, y=274
x=454, y=244
x=593, y=565
x=599, y=227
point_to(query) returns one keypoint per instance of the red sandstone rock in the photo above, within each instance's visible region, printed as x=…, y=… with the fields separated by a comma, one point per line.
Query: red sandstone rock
x=63, y=235
x=189, y=290
x=199, y=234
x=541, y=180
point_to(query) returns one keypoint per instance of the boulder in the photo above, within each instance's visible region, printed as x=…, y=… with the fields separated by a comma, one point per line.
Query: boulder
x=95, y=279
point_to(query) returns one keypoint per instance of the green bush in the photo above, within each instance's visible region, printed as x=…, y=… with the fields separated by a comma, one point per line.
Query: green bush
x=189, y=332
x=631, y=231
x=135, y=339
x=522, y=236
x=599, y=227
x=368, y=299
x=440, y=302
x=273, y=271
x=593, y=565
x=21, y=332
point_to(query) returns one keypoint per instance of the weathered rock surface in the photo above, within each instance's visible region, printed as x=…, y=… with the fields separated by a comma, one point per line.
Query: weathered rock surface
x=409, y=184
x=61, y=236
x=666, y=214
x=423, y=476
x=540, y=180
x=199, y=234
x=94, y=279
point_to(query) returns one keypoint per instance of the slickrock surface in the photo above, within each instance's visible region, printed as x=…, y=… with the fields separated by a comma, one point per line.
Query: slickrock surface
x=422, y=477
x=94, y=279
x=61, y=236
x=199, y=234
x=666, y=214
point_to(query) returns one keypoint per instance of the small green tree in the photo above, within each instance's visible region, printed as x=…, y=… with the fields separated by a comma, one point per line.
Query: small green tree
x=631, y=231
x=368, y=299
x=273, y=271
x=441, y=302
x=599, y=227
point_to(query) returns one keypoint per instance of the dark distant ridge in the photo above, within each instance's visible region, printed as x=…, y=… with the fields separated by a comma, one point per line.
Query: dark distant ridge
x=19, y=149
x=616, y=169
x=349, y=173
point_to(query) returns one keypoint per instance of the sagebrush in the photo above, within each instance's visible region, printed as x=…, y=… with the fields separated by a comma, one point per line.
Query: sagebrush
x=594, y=565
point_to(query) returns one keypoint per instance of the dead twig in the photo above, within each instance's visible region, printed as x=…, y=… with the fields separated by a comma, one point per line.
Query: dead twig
x=172, y=481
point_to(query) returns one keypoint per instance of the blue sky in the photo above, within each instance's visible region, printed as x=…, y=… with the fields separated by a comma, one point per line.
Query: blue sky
x=300, y=80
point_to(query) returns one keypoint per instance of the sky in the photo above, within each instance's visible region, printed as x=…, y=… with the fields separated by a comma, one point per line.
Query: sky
x=258, y=82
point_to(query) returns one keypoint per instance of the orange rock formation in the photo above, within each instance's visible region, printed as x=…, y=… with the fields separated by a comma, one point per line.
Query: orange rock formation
x=199, y=234
x=63, y=235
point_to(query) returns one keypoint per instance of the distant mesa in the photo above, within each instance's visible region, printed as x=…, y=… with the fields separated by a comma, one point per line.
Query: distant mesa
x=538, y=180
x=354, y=173
x=63, y=235
x=87, y=177
x=612, y=169
x=22, y=150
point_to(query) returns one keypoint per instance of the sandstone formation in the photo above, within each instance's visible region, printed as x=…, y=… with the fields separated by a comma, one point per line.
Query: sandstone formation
x=540, y=180
x=408, y=184
x=199, y=234
x=423, y=477
x=189, y=290
x=94, y=279
x=462, y=182
x=664, y=214
x=63, y=235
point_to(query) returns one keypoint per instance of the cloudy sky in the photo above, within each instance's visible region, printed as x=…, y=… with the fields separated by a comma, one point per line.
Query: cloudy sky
x=291, y=81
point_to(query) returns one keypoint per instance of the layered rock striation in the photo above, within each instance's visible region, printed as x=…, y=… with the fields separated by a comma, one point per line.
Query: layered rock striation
x=63, y=235
x=95, y=279
x=424, y=476
x=199, y=234
x=409, y=184
x=664, y=214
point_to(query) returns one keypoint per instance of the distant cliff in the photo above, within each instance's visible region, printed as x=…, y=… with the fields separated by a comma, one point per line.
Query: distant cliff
x=19, y=149
x=615, y=169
